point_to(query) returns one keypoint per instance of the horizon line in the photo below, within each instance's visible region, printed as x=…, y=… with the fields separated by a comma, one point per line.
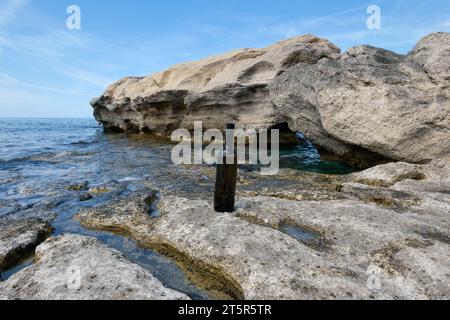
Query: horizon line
x=31, y=117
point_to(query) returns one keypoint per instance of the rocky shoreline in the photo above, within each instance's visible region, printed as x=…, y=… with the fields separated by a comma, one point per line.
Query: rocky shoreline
x=315, y=242
x=381, y=233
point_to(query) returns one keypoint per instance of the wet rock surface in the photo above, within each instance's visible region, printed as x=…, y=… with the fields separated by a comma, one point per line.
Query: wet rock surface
x=296, y=235
x=261, y=252
x=19, y=238
x=307, y=234
x=73, y=267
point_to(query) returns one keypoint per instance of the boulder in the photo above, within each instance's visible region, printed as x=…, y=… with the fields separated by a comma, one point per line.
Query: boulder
x=391, y=105
x=214, y=90
x=365, y=106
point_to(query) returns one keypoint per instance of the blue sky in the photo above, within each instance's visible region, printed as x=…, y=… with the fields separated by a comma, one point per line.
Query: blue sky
x=47, y=70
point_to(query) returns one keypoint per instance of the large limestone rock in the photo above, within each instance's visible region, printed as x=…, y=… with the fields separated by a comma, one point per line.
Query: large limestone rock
x=363, y=106
x=392, y=105
x=73, y=267
x=230, y=86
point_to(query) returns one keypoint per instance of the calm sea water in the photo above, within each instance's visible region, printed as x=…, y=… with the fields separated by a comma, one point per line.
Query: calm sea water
x=39, y=145
x=39, y=158
x=37, y=154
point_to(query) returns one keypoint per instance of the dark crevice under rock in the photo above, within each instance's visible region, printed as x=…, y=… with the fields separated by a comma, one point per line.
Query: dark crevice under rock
x=30, y=232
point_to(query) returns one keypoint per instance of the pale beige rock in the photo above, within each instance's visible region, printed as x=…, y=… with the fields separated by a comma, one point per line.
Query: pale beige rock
x=73, y=267
x=363, y=106
x=434, y=177
x=399, y=232
x=391, y=105
x=214, y=90
x=391, y=173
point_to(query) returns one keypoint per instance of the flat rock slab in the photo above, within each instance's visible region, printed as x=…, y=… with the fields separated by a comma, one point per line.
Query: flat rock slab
x=73, y=267
x=260, y=263
x=354, y=249
x=18, y=238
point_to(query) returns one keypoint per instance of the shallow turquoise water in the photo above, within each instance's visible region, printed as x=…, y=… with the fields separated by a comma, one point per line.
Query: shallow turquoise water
x=305, y=157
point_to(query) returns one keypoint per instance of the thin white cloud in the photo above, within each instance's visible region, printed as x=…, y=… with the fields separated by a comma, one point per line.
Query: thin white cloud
x=345, y=18
x=397, y=38
x=86, y=76
x=55, y=49
x=45, y=46
x=396, y=34
x=7, y=80
x=17, y=97
x=9, y=10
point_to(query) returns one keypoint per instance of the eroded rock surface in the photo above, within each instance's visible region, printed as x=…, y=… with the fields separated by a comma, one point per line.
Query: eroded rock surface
x=348, y=238
x=73, y=267
x=214, y=90
x=19, y=238
x=365, y=106
x=393, y=105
